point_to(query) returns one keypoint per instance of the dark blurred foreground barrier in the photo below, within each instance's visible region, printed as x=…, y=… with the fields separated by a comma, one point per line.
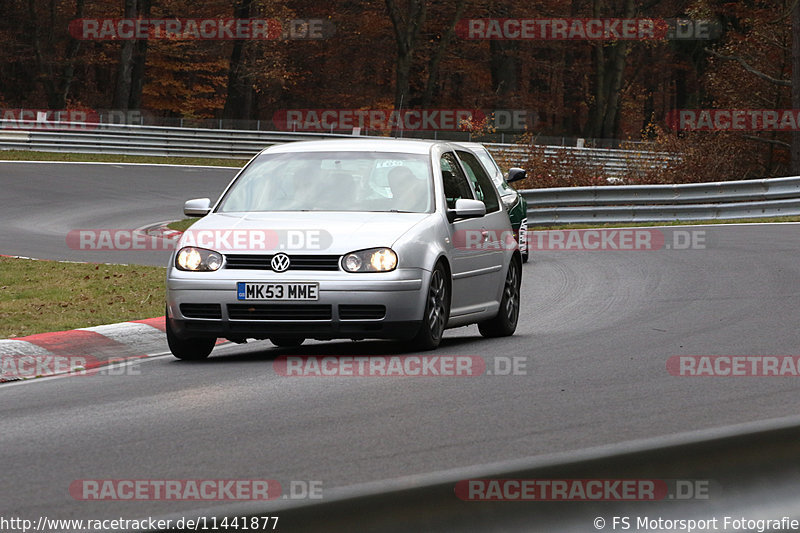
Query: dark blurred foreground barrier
x=752, y=472
x=659, y=203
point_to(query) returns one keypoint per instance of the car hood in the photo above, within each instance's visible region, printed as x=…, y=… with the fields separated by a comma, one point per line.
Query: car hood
x=300, y=232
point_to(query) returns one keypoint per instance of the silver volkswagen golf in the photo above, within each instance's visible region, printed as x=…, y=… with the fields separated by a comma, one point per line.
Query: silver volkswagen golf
x=346, y=239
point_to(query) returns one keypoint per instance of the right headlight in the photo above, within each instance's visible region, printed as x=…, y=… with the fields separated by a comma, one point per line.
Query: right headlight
x=372, y=260
x=193, y=259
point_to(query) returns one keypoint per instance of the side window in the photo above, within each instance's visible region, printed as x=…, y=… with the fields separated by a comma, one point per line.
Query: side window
x=454, y=181
x=484, y=187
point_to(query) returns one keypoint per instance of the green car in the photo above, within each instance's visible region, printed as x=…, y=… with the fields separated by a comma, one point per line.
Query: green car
x=515, y=203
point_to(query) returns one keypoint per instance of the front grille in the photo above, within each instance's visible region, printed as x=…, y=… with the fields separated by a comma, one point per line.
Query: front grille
x=201, y=311
x=362, y=312
x=297, y=262
x=279, y=312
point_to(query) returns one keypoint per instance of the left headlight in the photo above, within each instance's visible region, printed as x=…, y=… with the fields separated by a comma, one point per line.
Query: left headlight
x=372, y=260
x=194, y=259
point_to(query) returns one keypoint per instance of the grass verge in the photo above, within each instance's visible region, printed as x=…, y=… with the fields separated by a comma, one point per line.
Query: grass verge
x=182, y=225
x=41, y=296
x=28, y=155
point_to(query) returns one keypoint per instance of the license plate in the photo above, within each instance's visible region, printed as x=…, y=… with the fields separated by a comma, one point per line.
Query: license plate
x=277, y=291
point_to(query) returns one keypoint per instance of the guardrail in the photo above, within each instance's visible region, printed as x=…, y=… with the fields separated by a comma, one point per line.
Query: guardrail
x=618, y=164
x=613, y=204
x=659, y=203
x=242, y=144
x=149, y=140
x=748, y=471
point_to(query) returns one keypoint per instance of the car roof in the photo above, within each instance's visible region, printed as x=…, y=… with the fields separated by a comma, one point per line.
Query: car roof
x=408, y=146
x=471, y=145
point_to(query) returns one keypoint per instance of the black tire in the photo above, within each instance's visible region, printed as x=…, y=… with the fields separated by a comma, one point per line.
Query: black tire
x=505, y=323
x=193, y=349
x=437, y=311
x=286, y=342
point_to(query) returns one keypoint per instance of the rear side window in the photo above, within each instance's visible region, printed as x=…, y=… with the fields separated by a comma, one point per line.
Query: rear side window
x=482, y=183
x=454, y=181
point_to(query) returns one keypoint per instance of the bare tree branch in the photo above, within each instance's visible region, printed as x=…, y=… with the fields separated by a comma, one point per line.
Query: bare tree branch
x=785, y=15
x=768, y=141
x=751, y=70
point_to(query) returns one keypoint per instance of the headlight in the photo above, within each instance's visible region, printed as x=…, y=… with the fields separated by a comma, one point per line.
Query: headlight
x=372, y=260
x=197, y=259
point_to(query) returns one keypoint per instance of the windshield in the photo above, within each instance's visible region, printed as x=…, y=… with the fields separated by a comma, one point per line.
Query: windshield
x=332, y=181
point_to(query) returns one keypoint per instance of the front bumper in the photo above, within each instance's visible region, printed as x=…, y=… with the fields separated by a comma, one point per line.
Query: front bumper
x=337, y=313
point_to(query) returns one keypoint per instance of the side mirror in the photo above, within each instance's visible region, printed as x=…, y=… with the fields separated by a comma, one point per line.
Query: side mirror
x=199, y=207
x=466, y=208
x=516, y=174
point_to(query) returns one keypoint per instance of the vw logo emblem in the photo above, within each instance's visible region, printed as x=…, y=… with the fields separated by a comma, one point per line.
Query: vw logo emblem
x=280, y=263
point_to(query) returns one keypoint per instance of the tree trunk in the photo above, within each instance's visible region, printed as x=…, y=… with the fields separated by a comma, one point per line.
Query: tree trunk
x=122, y=93
x=503, y=67
x=433, y=67
x=610, y=71
x=139, y=62
x=56, y=82
x=795, y=168
x=406, y=34
x=238, y=103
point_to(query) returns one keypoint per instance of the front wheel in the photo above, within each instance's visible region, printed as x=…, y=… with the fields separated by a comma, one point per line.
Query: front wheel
x=192, y=349
x=437, y=311
x=505, y=323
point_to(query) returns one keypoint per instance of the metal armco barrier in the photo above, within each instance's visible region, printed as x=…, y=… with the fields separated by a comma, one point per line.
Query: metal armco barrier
x=617, y=164
x=147, y=140
x=661, y=203
x=243, y=144
x=613, y=204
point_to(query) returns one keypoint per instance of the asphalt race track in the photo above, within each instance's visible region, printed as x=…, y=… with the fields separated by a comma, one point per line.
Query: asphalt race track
x=42, y=202
x=596, y=331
